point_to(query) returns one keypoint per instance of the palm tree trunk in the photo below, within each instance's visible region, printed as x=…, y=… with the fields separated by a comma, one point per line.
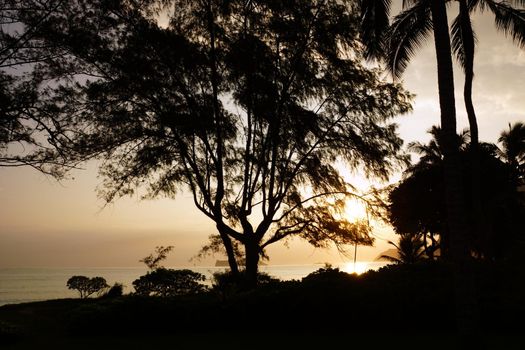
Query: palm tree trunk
x=466, y=318
x=467, y=35
x=450, y=147
x=478, y=227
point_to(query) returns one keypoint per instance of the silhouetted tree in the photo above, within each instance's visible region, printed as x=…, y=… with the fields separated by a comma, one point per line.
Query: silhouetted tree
x=410, y=249
x=115, y=291
x=168, y=282
x=86, y=286
x=246, y=104
x=160, y=281
x=152, y=261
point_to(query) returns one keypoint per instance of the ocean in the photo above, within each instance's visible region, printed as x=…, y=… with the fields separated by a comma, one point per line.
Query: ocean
x=20, y=285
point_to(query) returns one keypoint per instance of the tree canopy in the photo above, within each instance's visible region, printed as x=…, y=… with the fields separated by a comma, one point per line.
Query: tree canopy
x=248, y=105
x=86, y=286
x=31, y=133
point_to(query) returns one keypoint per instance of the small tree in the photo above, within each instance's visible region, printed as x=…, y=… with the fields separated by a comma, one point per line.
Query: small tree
x=152, y=261
x=163, y=282
x=168, y=282
x=86, y=286
x=410, y=249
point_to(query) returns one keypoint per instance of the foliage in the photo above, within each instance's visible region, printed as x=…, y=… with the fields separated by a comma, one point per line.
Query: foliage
x=325, y=274
x=168, y=282
x=398, y=41
x=152, y=261
x=215, y=245
x=86, y=286
x=227, y=284
x=246, y=105
x=396, y=294
x=31, y=133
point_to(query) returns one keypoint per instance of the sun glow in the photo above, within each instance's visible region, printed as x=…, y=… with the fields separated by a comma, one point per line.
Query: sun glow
x=358, y=268
x=355, y=210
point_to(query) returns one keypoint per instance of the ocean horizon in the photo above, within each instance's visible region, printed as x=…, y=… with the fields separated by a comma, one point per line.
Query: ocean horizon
x=20, y=285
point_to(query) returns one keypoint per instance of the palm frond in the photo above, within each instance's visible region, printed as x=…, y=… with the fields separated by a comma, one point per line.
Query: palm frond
x=408, y=31
x=518, y=2
x=513, y=142
x=409, y=3
x=374, y=24
x=509, y=20
x=390, y=258
x=475, y=4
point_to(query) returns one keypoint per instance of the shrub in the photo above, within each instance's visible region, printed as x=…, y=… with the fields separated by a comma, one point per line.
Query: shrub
x=326, y=274
x=116, y=290
x=86, y=286
x=168, y=282
x=226, y=283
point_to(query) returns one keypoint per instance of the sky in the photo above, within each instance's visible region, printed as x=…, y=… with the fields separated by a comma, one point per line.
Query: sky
x=44, y=223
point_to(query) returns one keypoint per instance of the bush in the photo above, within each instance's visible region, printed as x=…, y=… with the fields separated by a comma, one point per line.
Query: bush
x=116, y=290
x=86, y=286
x=327, y=274
x=168, y=282
x=226, y=283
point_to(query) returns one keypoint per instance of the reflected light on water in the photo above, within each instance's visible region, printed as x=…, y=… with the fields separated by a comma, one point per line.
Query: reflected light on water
x=359, y=267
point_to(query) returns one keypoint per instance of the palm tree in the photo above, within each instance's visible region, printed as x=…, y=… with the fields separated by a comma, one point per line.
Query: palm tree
x=410, y=27
x=508, y=19
x=511, y=22
x=410, y=249
x=513, y=150
x=431, y=153
x=396, y=44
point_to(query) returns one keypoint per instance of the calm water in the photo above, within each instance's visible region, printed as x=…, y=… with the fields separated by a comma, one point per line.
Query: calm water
x=33, y=284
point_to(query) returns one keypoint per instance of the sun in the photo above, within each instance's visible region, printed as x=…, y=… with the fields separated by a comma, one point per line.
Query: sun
x=359, y=268
x=355, y=210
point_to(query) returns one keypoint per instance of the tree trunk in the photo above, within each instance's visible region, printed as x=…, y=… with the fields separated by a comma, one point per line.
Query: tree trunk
x=450, y=149
x=465, y=310
x=252, y=262
x=230, y=253
x=478, y=225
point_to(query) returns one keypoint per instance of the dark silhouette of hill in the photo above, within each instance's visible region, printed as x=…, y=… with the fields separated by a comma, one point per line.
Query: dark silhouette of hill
x=401, y=302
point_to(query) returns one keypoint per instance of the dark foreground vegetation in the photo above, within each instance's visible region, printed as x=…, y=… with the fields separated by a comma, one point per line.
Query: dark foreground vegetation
x=399, y=305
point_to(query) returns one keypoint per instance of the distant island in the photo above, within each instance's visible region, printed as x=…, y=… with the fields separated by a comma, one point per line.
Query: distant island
x=221, y=263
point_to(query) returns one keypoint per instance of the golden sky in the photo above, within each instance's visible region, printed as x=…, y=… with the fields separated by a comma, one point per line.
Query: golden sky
x=45, y=223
